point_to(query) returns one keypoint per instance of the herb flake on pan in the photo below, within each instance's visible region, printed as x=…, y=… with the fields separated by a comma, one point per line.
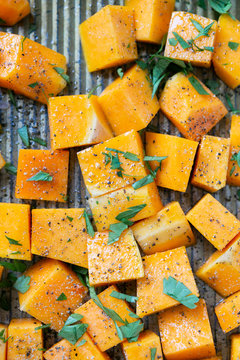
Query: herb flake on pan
x=23, y=133
x=220, y=6
x=120, y=72
x=178, y=291
x=230, y=105
x=10, y=168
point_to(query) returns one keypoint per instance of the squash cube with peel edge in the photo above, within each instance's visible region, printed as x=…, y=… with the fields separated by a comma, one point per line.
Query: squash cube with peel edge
x=228, y=313
x=60, y=351
x=235, y=346
x=12, y=11
x=88, y=350
x=3, y=345
x=233, y=176
x=2, y=161
x=108, y=38
x=49, y=279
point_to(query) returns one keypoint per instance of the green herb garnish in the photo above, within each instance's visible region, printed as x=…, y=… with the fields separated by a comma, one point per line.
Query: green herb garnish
x=184, y=44
x=62, y=297
x=120, y=73
x=82, y=342
x=16, y=265
x=220, y=6
x=93, y=90
x=153, y=352
x=62, y=73
x=233, y=45
x=115, y=232
x=197, y=85
x=10, y=168
x=41, y=176
x=72, y=329
x=230, y=105
x=178, y=291
x=122, y=296
x=12, y=241
x=23, y=133
x=12, y=98
x=2, y=336
x=126, y=154
x=22, y=284
x=236, y=157
x=125, y=216
x=44, y=326
x=70, y=218
x=39, y=141
x=89, y=226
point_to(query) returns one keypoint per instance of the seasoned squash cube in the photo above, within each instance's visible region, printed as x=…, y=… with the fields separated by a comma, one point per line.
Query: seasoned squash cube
x=29, y=68
x=2, y=161
x=211, y=165
x=25, y=340
x=166, y=230
x=15, y=231
x=88, y=350
x=3, y=345
x=59, y=351
x=175, y=263
x=109, y=38
x=176, y=168
x=233, y=177
x=12, y=11
x=226, y=53
x=99, y=172
x=76, y=120
x=228, y=313
x=60, y=234
x=32, y=164
x=134, y=93
x=235, y=348
x=193, y=114
x=214, y=221
x=186, y=26
x=105, y=208
x=186, y=333
x=49, y=280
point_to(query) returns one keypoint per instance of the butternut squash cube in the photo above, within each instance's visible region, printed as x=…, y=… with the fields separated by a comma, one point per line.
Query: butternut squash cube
x=228, y=313
x=218, y=357
x=114, y=265
x=101, y=328
x=182, y=25
x=12, y=11
x=3, y=345
x=27, y=67
x=214, y=221
x=193, y=114
x=88, y=350
x=54, y=164
x=152, y=18
x=211, y=165
x=2, y=161
x=134, y=93
x=109, y=38
x=233, y=176
x=222, y=269
x=105, y=208
x=225, y=59
x=1, y=271
x=76, y=120
x=15, y=231
x=175, y=263
x=186, y=333
x=235, y=342
x=176, y=168
x=49, y=279
x=141, y=349
x=99, y=177
x=60, y=234
x=25, y=340
x=166, y=230
x=59, y=351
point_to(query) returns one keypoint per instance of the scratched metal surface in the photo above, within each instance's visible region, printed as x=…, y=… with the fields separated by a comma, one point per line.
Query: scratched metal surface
x=57, y=27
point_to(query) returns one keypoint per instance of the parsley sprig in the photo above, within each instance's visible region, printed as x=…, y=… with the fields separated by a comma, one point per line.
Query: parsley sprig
x=73, y=329
x=178, y=291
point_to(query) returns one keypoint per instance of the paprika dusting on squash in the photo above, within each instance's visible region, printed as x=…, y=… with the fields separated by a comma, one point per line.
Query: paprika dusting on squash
x=12, y=11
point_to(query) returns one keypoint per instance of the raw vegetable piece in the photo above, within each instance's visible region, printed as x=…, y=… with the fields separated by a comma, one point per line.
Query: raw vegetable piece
x=53, y=164
x=227, y=312
x=60, y=234
x=193, y=114
x=49, y=279
x=166, y=230
x=134, y=93
x=109, y=38
x=22, y=71
x=218, y=357
x=120, y=261
x=105, y=208
x=59, y=351
x=175, y=263
x=141, y=349
x=200, y=31
x=233, y=177
x=3, y=343
x=235, y=342
x=2, y=161
x=1, y=271
x=211, y=165
x=25, y=342
x=152, y=18
x=222, y=269
x=76, y=120
x=225, y=59
x=186, y=333
x=101, y=173
x=12, y=11
x=15, y=231
x=214, y=221
x=176, y=169
x=88, y=350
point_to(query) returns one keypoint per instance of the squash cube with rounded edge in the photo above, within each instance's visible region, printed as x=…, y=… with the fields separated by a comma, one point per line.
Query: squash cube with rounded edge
x=108, y=38
x=88, y=350
x=228, y=313
x=235, y=346
x=59, y=351
x=3, y=345
x=2, y=161
x=233, y=176
x=12, y=11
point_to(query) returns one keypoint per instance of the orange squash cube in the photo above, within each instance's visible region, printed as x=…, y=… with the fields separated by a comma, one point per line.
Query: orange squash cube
x=109, y=38
x=218, y=357
x=60, y=234
x=233, y=176
x=59, y=351
x=214, y=221
x=3, y=345
x=182, y=25
x=98, y=176
x=210, y=170
x=12, y=11
x=55, y=164
x=166, y=230
x=152, y=18
x=101, y=328
x=88, y=350
x=186, y=333
x=193, y=114
x=175, y=263
x=1, y=271
x=49, y=279
x=105, y=208
x=76, y=120
x=176, y=168
x=25, y=340
x=141, y=349
x=226, y=60
x=22, y=70
x=235, y=348
x=134, y=93
x=114, y=265
x=2, y=161
x=15, y=231
x=228, y=313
